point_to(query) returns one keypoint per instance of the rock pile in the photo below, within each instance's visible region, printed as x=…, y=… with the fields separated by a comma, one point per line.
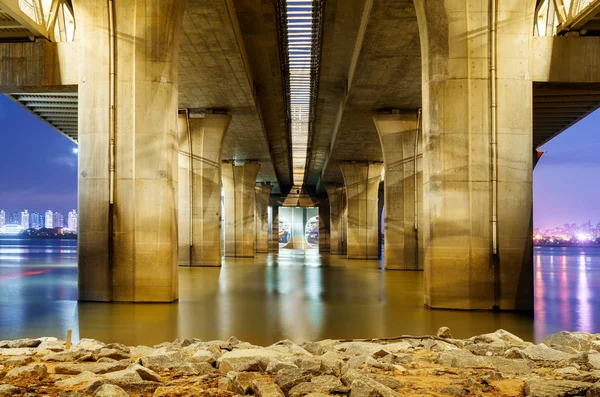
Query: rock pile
x=496, y=364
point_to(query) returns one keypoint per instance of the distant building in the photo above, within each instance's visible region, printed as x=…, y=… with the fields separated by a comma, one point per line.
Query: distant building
x=58, y=220
x=36, y=220
x=25, y=219
x=48, y=222
x=11, y=230
x=2, y=218
x=72, y=221
x=14, y=218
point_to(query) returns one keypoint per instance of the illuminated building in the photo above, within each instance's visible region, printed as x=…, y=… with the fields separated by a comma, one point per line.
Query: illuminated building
x=58, y=220
x=72, y=221
x=36, y=220
x=48, y=223
x=2, y=218
x=11, y=230
x=25, y=219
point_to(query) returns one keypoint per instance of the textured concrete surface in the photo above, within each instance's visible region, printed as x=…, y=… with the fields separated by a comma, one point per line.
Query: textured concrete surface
x=262, y=195
x=131, y=255
x=239, y=200
x=337, y=206
x=362, y=188
x=397, y=133
x=199, y=202
x=460, y=269
x=274, y=234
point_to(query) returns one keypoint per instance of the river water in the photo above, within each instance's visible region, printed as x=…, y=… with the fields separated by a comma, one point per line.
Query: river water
x=297, y=295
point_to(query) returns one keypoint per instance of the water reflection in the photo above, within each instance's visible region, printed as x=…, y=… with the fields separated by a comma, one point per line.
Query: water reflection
x=297, y=294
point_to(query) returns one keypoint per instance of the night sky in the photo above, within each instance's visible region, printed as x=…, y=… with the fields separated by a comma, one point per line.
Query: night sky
x=38, y=170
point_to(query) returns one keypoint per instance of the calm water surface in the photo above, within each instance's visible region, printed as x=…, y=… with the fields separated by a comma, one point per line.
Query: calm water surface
x=297, y=295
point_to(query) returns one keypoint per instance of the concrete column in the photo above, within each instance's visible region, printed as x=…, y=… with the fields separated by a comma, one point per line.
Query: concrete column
x=262, y=195
x=397, y=133
x=324, y=227
x=239, y=186
x=337, y=205
x=461, y=270
x=128, y=248
x=201, y=225
x=274, y=235
x=362, y=186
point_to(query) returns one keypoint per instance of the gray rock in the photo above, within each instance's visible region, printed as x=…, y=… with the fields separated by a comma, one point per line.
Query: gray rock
x=80, y=382
x=96, y=368
x=288, y=347
x=140, y=351
x=317, y=394
x=324, y=383
x=106, y=360
x=386, y=380
x=444, y=332
x=466, y=359
x=242, y=382
x=27, y=374
x=542, y=352
x=65, y=356
x=247, y=360
x=555, y=388
x=276, y=365
x=366, y=387
x=109, y=390
x=115, y=354
x=164, y=362
x=9, y=390
x=568, y=341
x=497, y=348
x=225, y=384
x=203, y=356
x=288, y=378
x=23, y=351
x=19, y=343
x=499, y=335
x=91, y=345
x=514, y=352
x=127, y=375
x=314, y=348
x=309, y=364
x=262, y=388
x=146, y=373
x=17, y=361
x=454, y=391
x=331, y=363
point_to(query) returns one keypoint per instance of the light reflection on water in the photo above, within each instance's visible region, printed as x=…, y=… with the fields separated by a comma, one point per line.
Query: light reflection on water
x=296, y=295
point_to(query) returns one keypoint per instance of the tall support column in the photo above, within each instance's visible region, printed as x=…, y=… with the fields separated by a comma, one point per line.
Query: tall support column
x=200, y=199
x=398, y=134
x=477, y=174
x=274, y=235
x=362, y=187
x=128, y=149
x=238, y=184
x=337, y=206
x=324, y=227
x=263, y=193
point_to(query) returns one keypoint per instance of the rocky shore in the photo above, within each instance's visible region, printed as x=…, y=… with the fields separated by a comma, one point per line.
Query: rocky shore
x=496, y=364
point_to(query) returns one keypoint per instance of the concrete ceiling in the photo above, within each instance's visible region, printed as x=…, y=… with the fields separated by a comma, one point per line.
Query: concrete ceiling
x=384, y=73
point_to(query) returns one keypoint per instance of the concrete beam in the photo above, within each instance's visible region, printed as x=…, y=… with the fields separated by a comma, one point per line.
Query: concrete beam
x=337, y=210
x=565, y=59
x=36, y=27
x=263, y=193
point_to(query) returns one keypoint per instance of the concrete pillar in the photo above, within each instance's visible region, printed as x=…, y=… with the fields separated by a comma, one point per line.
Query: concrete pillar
x=274, y=234
x=337, y=205
x=128, y=249
x=324, y=227
x=262, y=195
x=397, y=133
x=362, y=187
x=238, y=183
x=461, y=270
x=201, y=225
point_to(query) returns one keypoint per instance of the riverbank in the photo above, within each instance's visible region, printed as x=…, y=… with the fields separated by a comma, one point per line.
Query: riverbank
x=496, y=364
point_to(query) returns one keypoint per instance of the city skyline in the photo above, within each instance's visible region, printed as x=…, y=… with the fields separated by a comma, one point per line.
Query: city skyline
x=563, y=181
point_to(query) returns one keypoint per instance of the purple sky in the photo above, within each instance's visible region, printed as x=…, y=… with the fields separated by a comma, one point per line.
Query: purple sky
x=38, y=170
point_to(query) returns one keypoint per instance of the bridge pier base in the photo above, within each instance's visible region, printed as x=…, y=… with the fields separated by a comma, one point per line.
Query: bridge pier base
x=203, y=225
x=239, y=185
x=128, y=207
x=263, y=194
x=477, y=174
x=361, y=181
x=397, y=133
x=337, y=207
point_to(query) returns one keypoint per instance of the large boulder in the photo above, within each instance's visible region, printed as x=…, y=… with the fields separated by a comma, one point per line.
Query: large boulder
x=555, y=388
x=542, y=352
x=24, y=376
x=247, y=360
x=567, y=341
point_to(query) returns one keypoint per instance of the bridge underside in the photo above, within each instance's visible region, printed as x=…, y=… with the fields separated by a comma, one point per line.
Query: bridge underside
x=196, y=134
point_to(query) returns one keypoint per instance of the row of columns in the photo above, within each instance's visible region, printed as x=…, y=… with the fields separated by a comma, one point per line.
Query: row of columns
x=477, y=115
